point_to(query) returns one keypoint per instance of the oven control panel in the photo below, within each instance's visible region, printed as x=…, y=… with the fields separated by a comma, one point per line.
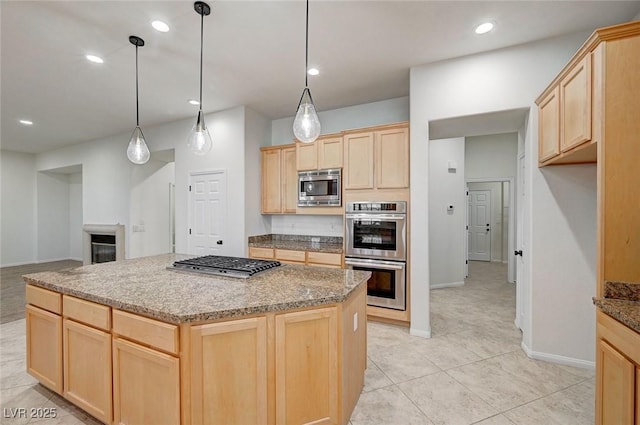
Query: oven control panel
x=384, y=207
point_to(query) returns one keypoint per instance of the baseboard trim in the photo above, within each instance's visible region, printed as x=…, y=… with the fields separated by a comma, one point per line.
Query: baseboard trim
x=18, y=264
x=446, y=285
x=76, y=259
x=555, y=358
x=421, y=333
x=26, y=263
x=51, y=260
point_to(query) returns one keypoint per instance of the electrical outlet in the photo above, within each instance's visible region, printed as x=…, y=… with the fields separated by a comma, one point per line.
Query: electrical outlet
x=355, y=321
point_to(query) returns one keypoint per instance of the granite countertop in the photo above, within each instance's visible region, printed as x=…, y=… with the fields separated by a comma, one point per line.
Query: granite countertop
x=145, y=286
x=622, y=302
x=331, y=244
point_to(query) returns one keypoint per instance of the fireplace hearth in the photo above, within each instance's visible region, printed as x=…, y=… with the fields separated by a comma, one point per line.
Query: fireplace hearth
x=103, y=243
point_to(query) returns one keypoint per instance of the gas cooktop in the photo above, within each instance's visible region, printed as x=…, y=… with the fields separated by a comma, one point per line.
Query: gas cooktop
x=225, y=266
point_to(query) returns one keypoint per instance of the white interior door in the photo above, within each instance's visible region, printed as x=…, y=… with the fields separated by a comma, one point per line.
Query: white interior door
x=480, y=225
x=466, y=240
x=520, y=241
x=207, y=212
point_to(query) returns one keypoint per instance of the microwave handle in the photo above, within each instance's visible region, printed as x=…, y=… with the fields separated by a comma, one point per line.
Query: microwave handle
x=376, y=265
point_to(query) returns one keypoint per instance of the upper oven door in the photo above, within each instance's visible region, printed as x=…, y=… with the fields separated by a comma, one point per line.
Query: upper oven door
x=376, y=236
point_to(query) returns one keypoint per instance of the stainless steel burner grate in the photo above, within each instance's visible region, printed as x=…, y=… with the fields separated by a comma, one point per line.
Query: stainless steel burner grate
x=225, y=266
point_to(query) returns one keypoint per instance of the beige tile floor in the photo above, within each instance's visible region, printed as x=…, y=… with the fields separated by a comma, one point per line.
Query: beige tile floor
x=472, y=371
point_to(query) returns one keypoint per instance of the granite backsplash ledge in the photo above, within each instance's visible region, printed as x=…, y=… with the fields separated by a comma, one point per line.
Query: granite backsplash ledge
x=622, y=302
x=295, y=238
x=622, y=291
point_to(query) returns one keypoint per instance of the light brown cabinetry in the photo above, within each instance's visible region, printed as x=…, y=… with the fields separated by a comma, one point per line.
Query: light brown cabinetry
x=549, y=128
x=146, y=385
x=307, y=362
x=279, y=179
x=310, y=258
x=86, y=341
x=324, y=153
x=617, y=366
x=575, y=105
x=44, y=347
x=377, y=158
x=229, y=372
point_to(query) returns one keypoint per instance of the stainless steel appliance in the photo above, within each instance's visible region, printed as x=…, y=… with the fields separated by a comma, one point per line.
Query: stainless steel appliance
x=387, y=285
x=225, y=266
x=319, y=188
x=376, y=230
x=376, y=238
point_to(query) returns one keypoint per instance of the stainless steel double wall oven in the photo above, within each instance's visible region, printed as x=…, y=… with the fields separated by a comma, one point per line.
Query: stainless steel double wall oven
x=376, y=241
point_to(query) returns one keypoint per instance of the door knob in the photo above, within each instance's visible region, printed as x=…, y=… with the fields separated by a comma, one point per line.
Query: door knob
x=518, y=253
x=219, y=242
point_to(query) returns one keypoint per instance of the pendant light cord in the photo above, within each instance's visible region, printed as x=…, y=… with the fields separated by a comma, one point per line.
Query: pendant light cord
x=137, y=108
x=306, y=57
x=201, y=41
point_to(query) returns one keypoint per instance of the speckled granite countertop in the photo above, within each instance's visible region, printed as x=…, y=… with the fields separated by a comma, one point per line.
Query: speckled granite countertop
x=622, y=302
x=298, y=242
x=145, y=286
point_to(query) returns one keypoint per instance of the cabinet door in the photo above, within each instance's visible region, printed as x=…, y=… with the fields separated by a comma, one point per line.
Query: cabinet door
x=637, y=395
x=575, y=106
x=330, y=153
x=146, y=385
x=307, y=367
x=549, y=126
x=271, y=181
x=615, y=386
x=87, y=368
x=290, y=180
x=306, y=156
x=229, y=372
x=358, y=161
x=392, y=158
x=44, y=347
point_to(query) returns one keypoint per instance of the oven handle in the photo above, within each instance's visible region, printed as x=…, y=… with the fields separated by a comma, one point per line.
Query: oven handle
x=387, y=265
x=392, y=217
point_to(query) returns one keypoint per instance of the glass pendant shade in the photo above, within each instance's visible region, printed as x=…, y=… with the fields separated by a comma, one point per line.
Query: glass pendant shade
x=199, y=140
x=137, y=151
x=306, y=126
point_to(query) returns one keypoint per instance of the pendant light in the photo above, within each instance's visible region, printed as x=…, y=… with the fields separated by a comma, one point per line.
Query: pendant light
x=306, y=126
x=137, y=151
x=199, y=139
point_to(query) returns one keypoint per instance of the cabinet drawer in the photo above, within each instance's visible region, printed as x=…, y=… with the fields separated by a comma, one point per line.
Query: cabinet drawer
x=324, y=258
x=261, y=253
x=43, y=298
x=289, y=255
x=92, y=314
x=151, y=332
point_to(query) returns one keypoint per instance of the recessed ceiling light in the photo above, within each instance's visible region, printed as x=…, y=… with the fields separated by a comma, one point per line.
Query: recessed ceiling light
x=313, y=71
x=484, y=28
x=94, y=59
x=160, y=26
x=26, y=122
x=194, y=102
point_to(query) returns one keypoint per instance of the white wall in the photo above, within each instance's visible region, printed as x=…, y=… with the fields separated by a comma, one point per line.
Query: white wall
x=337, y=120
x=53, y=216
x=150, y=209
x=446, y=228
x=75, y=216
x=18, y=220
x=257, y=135
x=500, y=80
x=491, y=156
x=313, y=225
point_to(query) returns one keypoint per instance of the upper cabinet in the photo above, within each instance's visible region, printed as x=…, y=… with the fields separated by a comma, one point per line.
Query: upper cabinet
x=377, y=158
x=279, y=179
x=324, y=153
x=575, y=106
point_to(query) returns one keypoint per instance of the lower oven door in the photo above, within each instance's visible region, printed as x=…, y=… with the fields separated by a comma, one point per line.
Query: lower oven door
x=387, y=285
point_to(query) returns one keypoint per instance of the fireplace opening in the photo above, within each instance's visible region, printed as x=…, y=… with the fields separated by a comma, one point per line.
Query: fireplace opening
x=103, y=248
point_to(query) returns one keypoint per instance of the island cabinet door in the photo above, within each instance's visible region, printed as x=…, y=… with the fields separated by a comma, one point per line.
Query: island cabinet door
x=615, y=386
x=87, y=368
x=44, y=347
x=146, y=385
x=229, y=372
x=307, y=367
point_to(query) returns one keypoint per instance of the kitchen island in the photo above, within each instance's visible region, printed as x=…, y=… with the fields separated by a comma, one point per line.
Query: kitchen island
x=132, y=342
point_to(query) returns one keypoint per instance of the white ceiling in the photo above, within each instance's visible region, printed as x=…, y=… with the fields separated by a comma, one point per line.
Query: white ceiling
x=254, y=56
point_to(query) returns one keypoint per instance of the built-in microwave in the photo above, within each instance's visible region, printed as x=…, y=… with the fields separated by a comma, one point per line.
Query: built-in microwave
x=319, y=188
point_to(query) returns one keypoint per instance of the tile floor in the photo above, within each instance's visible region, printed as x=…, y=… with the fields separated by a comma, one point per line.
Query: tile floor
x=472, y=371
